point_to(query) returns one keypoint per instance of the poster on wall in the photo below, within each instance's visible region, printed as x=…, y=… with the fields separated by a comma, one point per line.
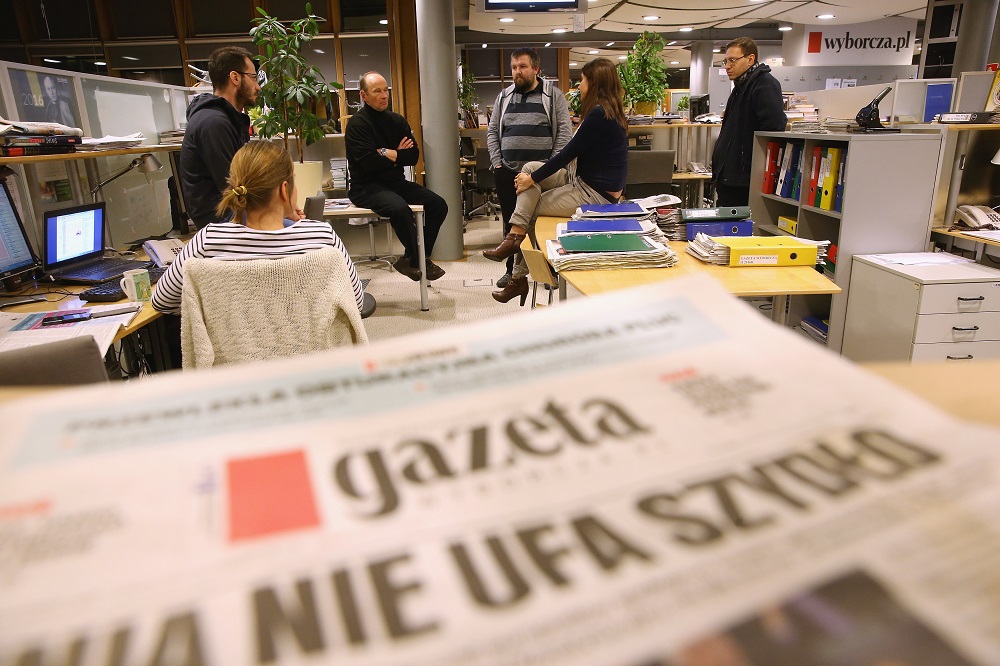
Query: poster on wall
x=44, y=97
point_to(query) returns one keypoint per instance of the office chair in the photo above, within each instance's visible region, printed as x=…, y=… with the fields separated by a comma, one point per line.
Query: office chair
x=650, y=172
x=257, y=309
x=73, y=361
x=486, y=186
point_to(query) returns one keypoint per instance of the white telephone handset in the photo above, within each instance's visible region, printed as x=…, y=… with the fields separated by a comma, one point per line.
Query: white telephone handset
x=975, y=217
x=163, y=251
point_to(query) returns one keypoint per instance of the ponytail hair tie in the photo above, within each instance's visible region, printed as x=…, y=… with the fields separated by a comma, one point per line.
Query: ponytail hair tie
x=240, y=190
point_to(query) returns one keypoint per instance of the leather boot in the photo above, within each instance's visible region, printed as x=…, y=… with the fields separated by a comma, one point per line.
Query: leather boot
x=508, y=246
x=518, y=286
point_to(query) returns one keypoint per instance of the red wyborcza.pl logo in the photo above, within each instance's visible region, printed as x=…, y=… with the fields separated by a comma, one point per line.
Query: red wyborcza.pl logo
x=815, y=41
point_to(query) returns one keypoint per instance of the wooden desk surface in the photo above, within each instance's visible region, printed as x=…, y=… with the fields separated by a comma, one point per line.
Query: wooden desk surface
x=689, y=175
x=745, y=281
x=146, y=315
x=943, y=231
x=89, y=154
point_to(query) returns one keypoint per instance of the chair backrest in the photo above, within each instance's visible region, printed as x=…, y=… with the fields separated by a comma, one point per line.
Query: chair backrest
x=654, y=167
x=74, y=361
x=484, y=175
x=257, y=309
x=314, y=207
x=538, y=266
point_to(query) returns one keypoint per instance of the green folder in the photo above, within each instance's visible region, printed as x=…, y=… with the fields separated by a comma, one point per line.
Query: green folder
x=605, y=243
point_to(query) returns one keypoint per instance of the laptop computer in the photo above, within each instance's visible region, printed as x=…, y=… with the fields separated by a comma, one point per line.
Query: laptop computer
x=74, y=246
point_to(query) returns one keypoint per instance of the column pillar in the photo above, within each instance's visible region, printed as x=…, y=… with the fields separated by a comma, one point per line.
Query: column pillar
x=701, y=66
x=975, y=33
x=439, y=114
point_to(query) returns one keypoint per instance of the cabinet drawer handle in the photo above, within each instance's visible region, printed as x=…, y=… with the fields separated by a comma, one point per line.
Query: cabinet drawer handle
x=977, y=298
x=959, y=358
x=965, y=328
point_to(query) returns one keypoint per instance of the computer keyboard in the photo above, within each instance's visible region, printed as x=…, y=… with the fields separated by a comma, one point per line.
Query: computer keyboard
x=112, y=291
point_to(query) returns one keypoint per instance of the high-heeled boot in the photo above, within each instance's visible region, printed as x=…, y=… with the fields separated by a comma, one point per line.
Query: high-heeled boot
x=518, y=286
x=508, y=246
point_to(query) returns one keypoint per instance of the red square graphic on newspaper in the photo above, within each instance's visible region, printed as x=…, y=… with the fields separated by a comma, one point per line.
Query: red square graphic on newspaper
x=269, y=495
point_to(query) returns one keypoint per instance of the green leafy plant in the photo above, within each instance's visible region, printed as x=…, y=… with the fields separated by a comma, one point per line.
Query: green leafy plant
x=683, y=103
x=574, y=99
x=468, y=100
x=642, y=73
x=291, y=87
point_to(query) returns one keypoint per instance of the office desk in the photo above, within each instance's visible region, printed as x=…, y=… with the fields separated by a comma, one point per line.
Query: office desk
x=776, y=283
x=687, y=177
x=418, y=217
x=950, y=236
x=147, y=314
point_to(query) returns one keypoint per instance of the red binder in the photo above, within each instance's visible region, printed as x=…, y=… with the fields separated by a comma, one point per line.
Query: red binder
x=771, y=168
x=817, y=159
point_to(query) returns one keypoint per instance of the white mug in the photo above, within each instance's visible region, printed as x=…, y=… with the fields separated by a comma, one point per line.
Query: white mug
x=135, y=284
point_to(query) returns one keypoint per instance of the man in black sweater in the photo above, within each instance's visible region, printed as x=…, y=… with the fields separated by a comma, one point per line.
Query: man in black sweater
x=217, y=127
x=755, y=105
x=379, y=144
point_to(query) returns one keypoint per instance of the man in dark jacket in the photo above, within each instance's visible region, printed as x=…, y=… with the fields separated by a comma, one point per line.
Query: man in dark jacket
x=217, y=127
x=755, y=105
x=379, y=144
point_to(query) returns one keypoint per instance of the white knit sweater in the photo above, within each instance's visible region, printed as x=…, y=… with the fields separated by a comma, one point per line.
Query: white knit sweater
x=238, y=311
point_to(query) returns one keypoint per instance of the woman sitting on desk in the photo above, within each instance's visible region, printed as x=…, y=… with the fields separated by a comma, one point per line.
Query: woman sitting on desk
x=261, y=195
x=600, y=151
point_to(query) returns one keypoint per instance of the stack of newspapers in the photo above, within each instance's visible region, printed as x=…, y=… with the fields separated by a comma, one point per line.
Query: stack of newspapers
x=758, y=250
x=622, y=235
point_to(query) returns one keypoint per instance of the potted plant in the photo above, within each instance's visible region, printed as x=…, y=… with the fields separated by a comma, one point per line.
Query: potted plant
x=574, y=99
x=291, y=90
x=468, y=100
x=683, y=104
x=643, y=75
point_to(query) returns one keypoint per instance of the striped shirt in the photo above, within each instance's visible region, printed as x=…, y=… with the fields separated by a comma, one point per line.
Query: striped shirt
x=227, y=240
x=525, y=135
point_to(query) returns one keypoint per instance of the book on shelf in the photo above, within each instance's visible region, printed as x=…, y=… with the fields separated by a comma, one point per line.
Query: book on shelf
x=789, y=175
x=838, y=199
x=29, y=151
x=815, y=166
x=39, y=140
x=789, y=224
x=830, y=178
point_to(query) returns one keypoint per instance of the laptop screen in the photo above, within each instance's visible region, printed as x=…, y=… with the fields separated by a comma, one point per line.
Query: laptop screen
x=15, y=250
x=73, y=234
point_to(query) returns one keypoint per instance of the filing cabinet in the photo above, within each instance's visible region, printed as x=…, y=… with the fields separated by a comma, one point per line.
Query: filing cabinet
x=928, y=312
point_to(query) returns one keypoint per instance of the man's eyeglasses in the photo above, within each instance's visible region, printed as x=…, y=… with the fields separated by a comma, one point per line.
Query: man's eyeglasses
x=260, y=76
x=726, y=62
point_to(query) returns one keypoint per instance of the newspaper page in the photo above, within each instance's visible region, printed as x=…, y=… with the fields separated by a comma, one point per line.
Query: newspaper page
x=655, y=476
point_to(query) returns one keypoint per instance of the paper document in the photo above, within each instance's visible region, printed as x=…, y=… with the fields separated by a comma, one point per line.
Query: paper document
x=921, y=258
x=26, y=330
x=637, y=478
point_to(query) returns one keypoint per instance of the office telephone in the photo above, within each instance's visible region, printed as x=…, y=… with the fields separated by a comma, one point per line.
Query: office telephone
x=698, y=167
x=976, y=217
x=163, y=251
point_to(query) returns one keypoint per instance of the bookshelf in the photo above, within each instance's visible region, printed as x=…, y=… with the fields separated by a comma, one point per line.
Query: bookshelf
x=889, y=183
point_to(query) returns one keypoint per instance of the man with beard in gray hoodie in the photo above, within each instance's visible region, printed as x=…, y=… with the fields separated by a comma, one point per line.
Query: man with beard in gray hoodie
x=217, y=127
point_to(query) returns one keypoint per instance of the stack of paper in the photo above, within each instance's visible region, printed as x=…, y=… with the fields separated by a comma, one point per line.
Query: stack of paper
x=607, y=250
x=838, y=124
x=10, y=127
x=112, y=142
x=758, y=250
x=172, y=137
x=623, y=209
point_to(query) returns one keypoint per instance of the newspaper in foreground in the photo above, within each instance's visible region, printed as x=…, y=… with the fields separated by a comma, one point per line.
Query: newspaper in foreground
x=657, y=476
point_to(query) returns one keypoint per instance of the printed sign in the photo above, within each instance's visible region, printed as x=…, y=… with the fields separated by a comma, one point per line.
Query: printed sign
x=886, y=42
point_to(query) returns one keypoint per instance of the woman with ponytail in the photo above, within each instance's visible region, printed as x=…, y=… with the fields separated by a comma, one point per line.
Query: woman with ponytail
x=261, y=197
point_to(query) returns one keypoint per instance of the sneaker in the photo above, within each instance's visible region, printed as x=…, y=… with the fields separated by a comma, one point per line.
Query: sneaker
x=434, y=271
x=504, y=281
x=403, y=266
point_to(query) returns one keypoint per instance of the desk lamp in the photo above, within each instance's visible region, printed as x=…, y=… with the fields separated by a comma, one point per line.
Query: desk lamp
x=146, y=163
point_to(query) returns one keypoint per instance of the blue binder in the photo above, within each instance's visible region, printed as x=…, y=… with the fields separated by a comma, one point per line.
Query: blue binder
x=603, y=224
x=612, y=209
x=729, y=228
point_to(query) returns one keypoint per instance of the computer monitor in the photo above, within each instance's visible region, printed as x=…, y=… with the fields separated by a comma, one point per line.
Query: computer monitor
x=16, y=256
x=698, y=105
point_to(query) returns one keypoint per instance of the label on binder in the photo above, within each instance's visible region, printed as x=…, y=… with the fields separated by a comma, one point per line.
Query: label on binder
x=758, y=260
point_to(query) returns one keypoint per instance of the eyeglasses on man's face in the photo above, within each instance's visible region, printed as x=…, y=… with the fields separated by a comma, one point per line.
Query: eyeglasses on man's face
x=726, y=62
x=260, y=76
